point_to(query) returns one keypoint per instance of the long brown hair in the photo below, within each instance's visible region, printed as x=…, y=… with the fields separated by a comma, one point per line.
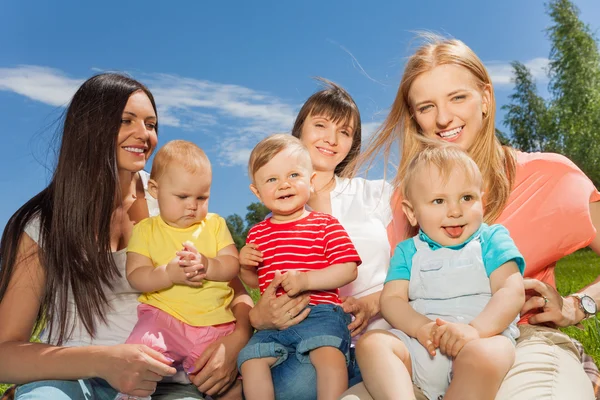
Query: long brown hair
x=497, y=163
x=75, y=210
x=337, y=104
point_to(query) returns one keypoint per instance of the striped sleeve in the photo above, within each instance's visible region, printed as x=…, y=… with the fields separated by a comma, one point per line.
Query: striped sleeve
x=338, y=246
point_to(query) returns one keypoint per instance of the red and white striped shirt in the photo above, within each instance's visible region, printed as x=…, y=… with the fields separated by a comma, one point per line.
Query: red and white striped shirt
x=311, y=243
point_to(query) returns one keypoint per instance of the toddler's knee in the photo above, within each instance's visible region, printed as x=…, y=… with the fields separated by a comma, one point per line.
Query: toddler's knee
x=486, y=358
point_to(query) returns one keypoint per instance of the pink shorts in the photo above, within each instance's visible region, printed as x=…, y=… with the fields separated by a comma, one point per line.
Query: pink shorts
x=173, y=338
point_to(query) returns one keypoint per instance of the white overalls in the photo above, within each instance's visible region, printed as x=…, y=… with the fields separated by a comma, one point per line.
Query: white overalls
x=451, y=284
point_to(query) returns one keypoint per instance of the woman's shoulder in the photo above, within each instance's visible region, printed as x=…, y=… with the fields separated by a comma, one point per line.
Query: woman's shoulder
x=551, y=163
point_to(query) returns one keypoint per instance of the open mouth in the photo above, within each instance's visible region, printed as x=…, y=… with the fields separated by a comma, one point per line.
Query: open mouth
x=454, y=231
x=452, y=134
x=285, y=197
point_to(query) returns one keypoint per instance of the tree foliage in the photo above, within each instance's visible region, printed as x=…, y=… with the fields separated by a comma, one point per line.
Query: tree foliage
x=239, y=229
x=568, y=122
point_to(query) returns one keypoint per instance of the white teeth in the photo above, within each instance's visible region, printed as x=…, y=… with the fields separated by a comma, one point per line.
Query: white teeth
x=322, y=150
x=134, y=149
x=451, y=133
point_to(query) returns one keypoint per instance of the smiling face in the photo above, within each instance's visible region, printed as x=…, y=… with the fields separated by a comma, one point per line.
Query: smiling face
x=328, y=141
x=137, y=136
x=447, y=208
x=283, y=184
x=447, y=104
x=182, y=195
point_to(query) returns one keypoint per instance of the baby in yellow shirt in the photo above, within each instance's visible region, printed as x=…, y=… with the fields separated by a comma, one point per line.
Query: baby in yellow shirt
x=182, y=260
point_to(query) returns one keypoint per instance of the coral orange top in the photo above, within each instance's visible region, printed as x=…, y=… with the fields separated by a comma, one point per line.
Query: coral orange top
x=547, y=213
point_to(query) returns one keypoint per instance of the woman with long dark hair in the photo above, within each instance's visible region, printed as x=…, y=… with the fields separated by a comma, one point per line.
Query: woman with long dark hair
x=62, y=261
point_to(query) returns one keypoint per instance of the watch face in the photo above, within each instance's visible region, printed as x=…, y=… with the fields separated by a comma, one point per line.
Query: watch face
x=589, y=305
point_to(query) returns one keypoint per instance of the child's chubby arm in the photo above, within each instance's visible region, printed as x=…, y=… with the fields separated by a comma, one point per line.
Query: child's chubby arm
x=222, y=268
x=397, y=312
x=143, y=276
x=332, y=277
x=508, y=297
x=250, y=259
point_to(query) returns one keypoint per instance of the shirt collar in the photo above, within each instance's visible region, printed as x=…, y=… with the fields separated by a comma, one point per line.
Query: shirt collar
x=433, y=245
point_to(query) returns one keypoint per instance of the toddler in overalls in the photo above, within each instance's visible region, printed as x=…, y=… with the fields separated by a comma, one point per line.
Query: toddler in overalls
x=461, y=277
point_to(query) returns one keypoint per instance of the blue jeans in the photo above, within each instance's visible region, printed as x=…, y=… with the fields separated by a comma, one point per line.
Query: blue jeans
x=294, y=380
x=97, y=389
x=82, y=389
x=326, y=325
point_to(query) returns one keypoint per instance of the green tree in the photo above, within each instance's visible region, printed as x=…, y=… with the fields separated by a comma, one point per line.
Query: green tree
x=256, y=213
x=568, y=122
x=236, y=227
x=526, y=114
x=239, y=229
x=574, y=73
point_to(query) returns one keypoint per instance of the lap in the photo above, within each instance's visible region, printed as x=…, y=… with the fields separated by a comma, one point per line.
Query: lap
x=546, y=366
x=82, y=389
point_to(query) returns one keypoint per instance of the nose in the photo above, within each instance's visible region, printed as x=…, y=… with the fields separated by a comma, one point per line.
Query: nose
x=330, y=136
x=443, y=117
x=454, y=210
x=285, y=184
x=192, y=205
x=141, y=131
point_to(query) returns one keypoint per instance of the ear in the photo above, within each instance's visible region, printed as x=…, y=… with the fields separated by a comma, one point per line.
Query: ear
x=312, y=182
x=153, y=188
x=486, y=99
x=409, y=212
x=254, y=190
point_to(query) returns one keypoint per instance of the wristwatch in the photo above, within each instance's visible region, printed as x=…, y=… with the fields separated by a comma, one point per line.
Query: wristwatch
x=586, y=304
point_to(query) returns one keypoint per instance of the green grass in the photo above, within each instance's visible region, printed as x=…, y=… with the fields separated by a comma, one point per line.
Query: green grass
x=572, y=273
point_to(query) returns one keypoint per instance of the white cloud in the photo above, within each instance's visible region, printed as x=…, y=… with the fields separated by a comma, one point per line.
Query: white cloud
x=43, y=84
x=227, y=112
x=502, y=72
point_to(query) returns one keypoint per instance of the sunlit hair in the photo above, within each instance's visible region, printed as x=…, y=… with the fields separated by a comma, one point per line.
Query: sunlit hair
x=179, y=152
x=497, y=163
x=75, y=212
x=335, y=103
x=272, y=145
x=447, y=158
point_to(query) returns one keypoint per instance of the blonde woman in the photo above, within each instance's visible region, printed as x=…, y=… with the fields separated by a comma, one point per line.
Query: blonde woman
x=548, y=205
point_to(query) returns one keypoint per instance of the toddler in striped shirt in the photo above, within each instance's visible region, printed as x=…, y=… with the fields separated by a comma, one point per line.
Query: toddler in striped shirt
x=314, y=253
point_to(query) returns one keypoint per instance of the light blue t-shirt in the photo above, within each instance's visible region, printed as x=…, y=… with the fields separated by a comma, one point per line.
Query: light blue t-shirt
x=497, y=248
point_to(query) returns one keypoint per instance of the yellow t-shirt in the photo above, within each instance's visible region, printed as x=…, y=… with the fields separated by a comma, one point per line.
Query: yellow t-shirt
x=205, y=306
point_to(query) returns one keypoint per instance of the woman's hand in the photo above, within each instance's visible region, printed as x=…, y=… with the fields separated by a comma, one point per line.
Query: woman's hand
x=272, y=312
x=556, y=311
x=363, y=310
x=133, y=369
x=216, y=368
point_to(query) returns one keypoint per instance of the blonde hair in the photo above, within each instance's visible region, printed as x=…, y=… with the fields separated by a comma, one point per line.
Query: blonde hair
x=179, y=152
x=497, y=163
x=446, y=157
x=272, y=145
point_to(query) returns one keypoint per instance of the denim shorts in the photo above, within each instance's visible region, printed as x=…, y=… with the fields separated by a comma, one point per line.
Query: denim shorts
x=326, y=325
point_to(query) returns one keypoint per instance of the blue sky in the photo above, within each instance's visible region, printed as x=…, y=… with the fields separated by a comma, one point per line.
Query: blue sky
x=226, y=74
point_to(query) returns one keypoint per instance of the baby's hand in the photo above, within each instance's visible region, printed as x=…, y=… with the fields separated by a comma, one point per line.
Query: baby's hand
x=175, y=273
x=294, y=282
x=450, y=337
x=250, y=255
x=193, y=264
x=425, y=337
